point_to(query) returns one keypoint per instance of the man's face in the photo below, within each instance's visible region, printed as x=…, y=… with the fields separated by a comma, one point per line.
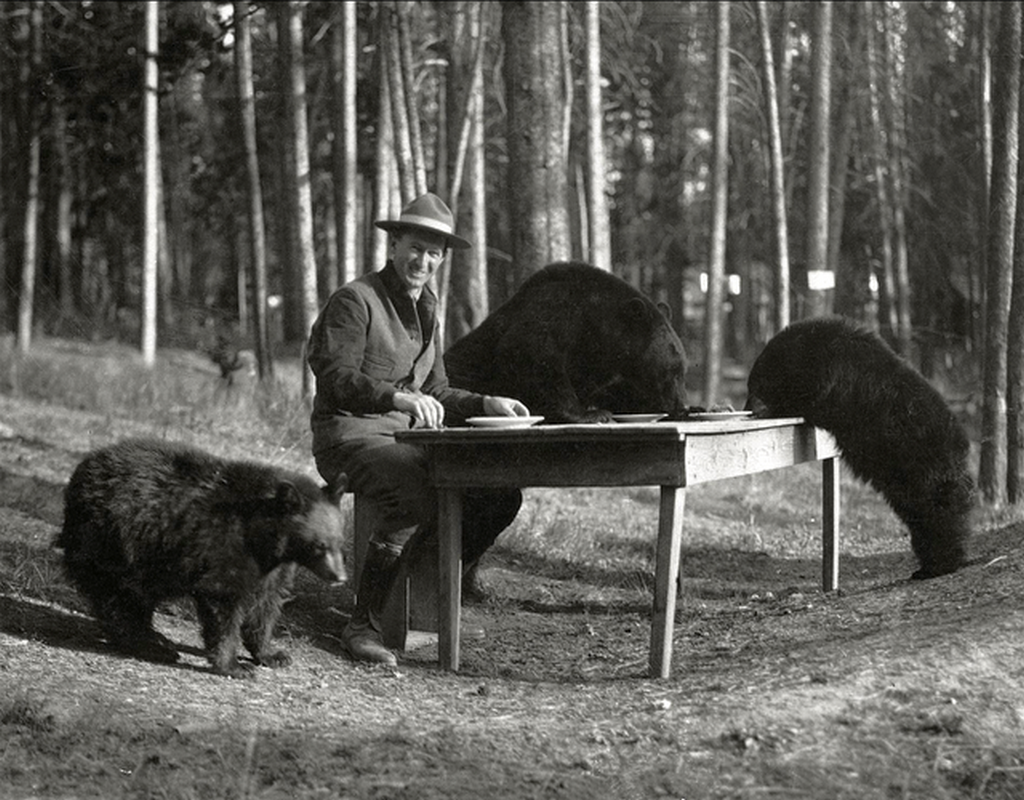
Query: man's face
x=417, y=255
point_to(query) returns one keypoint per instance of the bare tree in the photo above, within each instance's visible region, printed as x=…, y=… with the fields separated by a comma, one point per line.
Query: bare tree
x=385, y=154
x=816, y=252
x=463, y=290
x=59, y=142
x=412, y=180
x=1015, y=344
x=254, y=192
x=597, y=202
x=30, y=248
x=302, y=199
x=985, y=116
x=847, y=104
x=886, y=279
x=344, y=145
x=777, y=175
x=538, y=162
x=404, y=68
x=1005, y=144
x=151, y=182
x=896, y=168
x=714, y=298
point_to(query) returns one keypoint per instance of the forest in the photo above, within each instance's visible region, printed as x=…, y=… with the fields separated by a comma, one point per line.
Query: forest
x=182, y=173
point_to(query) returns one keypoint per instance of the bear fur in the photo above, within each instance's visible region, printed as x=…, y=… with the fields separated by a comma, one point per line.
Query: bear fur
x=894, y=429
x=575, y=344
x=147, y=521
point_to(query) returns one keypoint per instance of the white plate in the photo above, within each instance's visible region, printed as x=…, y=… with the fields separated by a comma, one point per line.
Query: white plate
x=503, y=422
x=638, y=417
x=712, y=415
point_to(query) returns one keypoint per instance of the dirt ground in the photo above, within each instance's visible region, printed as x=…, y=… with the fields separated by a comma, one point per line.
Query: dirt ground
x=886, y=689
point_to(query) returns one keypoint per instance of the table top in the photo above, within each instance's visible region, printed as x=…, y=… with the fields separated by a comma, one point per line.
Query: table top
x=579, y=432
x=617, y=454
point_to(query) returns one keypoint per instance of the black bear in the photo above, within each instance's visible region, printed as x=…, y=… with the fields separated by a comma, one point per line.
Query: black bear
x=894, y=429
x=575, y=344
x=147, y=521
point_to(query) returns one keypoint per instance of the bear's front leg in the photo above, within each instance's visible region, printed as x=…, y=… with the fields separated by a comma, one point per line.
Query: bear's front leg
x=262, y=614
x=221, y=620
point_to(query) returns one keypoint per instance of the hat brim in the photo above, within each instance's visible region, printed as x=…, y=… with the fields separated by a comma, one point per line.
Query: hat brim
x=396, y=226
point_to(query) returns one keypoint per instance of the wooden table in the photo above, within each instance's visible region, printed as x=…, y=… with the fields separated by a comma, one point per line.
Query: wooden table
x=672, y=455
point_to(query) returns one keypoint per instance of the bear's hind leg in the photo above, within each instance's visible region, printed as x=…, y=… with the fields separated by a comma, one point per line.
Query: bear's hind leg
x=221, y=621
x=262, y=615
x=128, y=622
x=126, y=617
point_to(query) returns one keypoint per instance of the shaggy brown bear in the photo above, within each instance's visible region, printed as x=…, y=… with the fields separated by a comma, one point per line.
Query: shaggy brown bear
x=575, y=344
x=894, y=429
x=147, y=521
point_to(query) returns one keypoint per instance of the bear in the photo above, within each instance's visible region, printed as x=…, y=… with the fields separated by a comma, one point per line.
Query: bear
x=575, y=344
x=147, y=520
x=894, y=429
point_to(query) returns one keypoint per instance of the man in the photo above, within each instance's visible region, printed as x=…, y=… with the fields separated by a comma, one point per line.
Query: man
x=378, y=366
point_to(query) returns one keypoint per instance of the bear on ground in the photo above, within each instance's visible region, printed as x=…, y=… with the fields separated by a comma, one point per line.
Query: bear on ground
x=575, y=344
x=894, y=429
x=147, y=521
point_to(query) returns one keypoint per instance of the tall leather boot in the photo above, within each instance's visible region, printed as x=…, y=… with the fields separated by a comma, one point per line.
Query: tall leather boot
x=362, y=635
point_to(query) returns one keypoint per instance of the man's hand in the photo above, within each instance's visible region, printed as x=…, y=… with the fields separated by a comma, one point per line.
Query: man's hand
x=504, y=407
x=423, y=408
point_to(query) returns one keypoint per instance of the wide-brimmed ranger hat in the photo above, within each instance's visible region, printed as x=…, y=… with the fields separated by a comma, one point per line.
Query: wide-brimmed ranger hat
x=426, y=213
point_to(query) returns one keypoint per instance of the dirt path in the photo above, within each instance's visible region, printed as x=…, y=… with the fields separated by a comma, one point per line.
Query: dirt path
x=887, y=689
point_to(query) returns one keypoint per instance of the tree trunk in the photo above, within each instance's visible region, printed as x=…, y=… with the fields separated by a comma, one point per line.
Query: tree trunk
x=30, y=244
x=404, y=68
x=888, y=320
x=599, y=235
x=288, y=254
x=405, y=159
x=787, y=130
x=302, y=199
x=777, y=172
x=714, y=299
x=65, y=282
x=985, y=115
x=254, y=191
x=385, y=159
x=344, y=145
x=1005, y=107
x=816, y=253
x=150, y=182
x=464, y=293
x=1015, y=338
x=896, y=172
x=846, y=125
x=538, y=163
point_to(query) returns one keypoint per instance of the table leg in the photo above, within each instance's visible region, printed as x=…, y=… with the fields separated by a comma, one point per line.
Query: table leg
x=830, y=525
x=666, y=578
x=449, y=596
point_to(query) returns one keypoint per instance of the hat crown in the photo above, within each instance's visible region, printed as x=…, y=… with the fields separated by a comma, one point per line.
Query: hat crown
x=428, y=212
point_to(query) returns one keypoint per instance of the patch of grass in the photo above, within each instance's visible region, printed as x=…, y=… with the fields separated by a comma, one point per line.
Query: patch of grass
x=27, y=570
x=21, y=710
x=182, y=391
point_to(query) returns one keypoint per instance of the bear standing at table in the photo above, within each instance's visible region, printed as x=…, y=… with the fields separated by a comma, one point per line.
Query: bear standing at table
x=375, y=355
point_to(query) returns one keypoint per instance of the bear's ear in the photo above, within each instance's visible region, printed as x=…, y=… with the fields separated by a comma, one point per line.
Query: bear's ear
x=334, y=491
x=635, y=311
x=288, y=498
